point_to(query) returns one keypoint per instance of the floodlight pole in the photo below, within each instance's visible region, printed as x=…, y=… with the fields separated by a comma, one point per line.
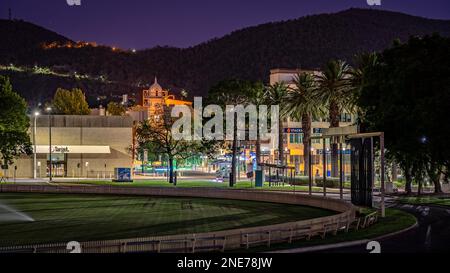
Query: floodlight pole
x=310, y=168
x=50, y=145
x=49, y=110
x=34, y=142
x=324, y=153
x=341, y=173
x=382, y=191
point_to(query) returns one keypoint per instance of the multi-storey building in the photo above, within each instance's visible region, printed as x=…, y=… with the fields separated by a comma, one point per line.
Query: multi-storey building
x=293, y=135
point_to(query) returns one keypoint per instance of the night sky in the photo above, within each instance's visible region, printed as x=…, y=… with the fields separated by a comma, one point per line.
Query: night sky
x=182, y=23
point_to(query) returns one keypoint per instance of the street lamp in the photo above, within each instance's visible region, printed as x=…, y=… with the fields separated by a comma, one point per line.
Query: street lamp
x=36, y=114
x=49, y=111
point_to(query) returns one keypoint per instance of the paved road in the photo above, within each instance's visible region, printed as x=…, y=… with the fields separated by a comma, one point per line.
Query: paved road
x=432, y=234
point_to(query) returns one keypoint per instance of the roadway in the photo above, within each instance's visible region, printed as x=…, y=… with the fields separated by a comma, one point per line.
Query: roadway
x=431, y=235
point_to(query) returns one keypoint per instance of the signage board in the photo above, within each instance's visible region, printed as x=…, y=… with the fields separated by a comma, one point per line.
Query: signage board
x=293, y=130
x=122, y=175
x=73, y=149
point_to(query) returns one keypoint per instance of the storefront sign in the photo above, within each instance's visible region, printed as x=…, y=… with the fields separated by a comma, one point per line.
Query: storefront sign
x=293, y=130
x=61, y=149
x=73, y=149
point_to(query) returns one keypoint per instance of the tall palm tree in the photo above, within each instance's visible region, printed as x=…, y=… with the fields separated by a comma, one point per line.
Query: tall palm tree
x=301, y=105
x=276, y=95
x=334, y=91
x=363, y=63
x=258, y=98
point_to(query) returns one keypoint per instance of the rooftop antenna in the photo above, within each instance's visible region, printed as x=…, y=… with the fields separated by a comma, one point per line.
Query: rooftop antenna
x=9, y=14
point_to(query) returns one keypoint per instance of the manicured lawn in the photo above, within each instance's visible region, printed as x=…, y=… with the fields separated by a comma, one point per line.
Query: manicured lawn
x=193, y=183
x=63, y=218
x=395, y=220
x=426, y=200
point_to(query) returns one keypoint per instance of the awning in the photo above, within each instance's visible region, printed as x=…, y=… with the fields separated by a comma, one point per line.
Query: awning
x=73, y=149
x=296, y=152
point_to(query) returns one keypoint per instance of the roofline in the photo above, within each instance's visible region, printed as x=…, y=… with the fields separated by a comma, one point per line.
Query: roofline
x=291, y=71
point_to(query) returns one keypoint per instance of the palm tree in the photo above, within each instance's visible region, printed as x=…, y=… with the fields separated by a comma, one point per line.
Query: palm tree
x=258, y=98
x=334, y=91
x=301, y=105
x=363, y=63
x=276, y=95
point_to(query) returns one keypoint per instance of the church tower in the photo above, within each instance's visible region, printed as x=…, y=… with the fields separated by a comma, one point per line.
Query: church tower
x=154, y=99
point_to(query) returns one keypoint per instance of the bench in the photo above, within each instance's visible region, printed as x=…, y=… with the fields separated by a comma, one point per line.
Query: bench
x=370, y=219
x=353, y=224
x=363, y=222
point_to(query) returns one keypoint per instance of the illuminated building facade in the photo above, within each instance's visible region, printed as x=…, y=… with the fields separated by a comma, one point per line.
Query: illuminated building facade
x=293, y=135
x=156, y=98
x=82, y=146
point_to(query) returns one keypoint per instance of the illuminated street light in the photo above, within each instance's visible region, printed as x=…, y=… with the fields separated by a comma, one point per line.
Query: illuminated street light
x=49, y=111
x=36, y=114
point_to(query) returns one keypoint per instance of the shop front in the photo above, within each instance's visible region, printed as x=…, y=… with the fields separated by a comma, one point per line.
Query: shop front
x=69, y=160
x=77, y=147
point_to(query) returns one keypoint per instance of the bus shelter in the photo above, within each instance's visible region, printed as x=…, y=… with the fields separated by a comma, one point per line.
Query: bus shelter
x=362, y=163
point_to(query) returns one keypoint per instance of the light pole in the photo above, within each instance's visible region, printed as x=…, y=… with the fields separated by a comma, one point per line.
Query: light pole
x=36, y=114
x=49, y=111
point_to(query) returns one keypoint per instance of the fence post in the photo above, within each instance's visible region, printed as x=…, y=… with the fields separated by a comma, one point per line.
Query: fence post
x=291, y=235
x=224, y=243
x=193, y=244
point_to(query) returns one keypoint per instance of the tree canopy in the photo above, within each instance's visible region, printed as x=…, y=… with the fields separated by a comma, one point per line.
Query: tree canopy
x=14, y=124
x=407, y=95
x=116, y=109
x=70, y=102
x=155, y=136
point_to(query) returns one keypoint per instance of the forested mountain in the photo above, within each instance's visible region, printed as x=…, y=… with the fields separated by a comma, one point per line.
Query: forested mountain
x=249, y=53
